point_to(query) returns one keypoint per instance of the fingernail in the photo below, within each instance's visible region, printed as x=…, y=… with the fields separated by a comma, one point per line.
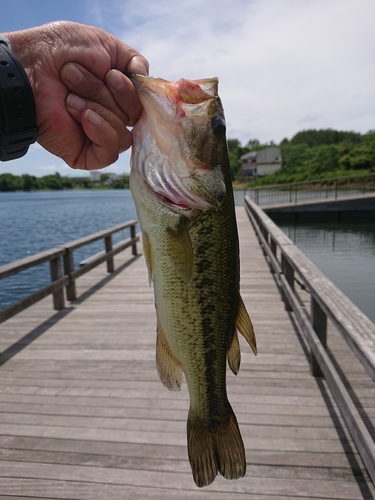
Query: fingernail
x=75, y=102
x=138, y=66
x=93, y=117
x=72, y=74
x=115, y=79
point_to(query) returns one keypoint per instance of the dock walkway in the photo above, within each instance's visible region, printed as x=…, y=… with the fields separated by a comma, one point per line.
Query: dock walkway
x=84, y=416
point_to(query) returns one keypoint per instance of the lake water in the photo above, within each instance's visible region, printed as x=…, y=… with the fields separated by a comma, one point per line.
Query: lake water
x=345, y=252
x=37, y=221
x=33, y=222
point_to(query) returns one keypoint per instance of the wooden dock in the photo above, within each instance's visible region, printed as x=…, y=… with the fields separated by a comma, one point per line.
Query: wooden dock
x=84, y=416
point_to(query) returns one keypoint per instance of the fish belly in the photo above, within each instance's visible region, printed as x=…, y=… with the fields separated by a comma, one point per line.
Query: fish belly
x=196, y=324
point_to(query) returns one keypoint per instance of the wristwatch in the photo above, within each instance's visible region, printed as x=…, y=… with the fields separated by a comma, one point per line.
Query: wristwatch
x=18, y=127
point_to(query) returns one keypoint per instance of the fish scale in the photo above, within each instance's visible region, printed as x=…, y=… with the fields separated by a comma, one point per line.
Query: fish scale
x=191, y=248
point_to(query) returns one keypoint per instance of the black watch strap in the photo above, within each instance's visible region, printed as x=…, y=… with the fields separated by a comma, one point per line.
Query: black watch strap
x=18, y=128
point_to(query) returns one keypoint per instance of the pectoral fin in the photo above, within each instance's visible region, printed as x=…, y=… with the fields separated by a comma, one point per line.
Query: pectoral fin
x=169, y=368
x=148, y=254
x=244, y=326
x=181, y=250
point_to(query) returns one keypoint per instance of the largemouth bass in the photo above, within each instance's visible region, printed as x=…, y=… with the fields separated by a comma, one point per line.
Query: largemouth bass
x=180, y=182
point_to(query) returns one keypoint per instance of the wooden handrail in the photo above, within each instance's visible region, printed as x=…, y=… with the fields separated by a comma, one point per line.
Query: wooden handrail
x=80, y=242
x=34, y=260
x=64, y=275
x=327, y=301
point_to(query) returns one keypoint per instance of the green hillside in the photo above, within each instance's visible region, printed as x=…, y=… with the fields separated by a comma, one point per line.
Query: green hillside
x=312, y=154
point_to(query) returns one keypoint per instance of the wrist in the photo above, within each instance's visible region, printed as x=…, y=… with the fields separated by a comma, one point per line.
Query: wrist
x=18, y=128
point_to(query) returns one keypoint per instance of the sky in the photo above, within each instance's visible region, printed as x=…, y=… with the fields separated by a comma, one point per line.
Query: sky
x=283, y=65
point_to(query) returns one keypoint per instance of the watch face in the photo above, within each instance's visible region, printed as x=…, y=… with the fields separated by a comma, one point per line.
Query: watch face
x=5, y=41
x=18, y=128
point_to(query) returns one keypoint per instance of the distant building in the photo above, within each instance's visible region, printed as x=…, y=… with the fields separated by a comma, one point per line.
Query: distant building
x=95, y=175
x=264, y=162
x=111, y=179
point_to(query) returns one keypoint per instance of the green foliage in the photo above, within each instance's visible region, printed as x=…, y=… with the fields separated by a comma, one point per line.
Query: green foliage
x=122, y=183
x=10, y=182
x=315, y=154
x=29, y=182
x=104, y=178
x=313, y=138
x=55, y=182
x=310, y=154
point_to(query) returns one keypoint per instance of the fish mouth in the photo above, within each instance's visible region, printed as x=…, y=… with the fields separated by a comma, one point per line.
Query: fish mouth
x=172, y=204
x=182, y=200
x=196, y=196
x=201, y=189
x=182, y=91
x=161, y=154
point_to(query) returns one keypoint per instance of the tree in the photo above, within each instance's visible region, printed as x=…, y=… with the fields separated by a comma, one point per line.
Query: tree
x=10, y=182
x=253, y=144
x=29, y=182
x=53, y=182
x=322, y=137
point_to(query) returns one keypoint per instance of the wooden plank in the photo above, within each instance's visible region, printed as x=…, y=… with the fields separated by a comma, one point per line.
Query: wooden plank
x=103, y=451
x=67, y=490
x=358, y=429
x=180, y=481
x=356, y=328
x=83, y=414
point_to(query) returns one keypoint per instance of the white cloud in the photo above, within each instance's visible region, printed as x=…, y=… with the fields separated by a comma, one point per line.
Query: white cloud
x=283, y=65
x=279, y=62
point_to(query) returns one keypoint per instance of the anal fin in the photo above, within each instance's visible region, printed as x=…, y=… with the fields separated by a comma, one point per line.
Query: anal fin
x=245, y=327
x=169, y=368
x=234, y=354
x=148, y=254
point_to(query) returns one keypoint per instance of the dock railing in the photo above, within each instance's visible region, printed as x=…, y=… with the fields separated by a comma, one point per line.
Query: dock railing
x=62, y=271
x=289, y=264
x=321, y=189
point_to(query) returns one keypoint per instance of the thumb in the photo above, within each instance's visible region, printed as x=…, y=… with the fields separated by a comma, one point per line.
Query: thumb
x=137, y=65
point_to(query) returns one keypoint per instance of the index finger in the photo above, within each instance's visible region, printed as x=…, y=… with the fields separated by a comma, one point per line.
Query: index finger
x=124, y=94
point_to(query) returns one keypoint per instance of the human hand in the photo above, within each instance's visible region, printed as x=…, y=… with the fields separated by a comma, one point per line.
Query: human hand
x=84, y=102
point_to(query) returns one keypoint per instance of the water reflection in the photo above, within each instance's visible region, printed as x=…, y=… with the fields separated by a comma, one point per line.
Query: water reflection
x=345, y=252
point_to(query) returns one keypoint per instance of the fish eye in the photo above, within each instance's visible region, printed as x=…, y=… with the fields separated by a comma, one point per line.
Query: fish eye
x=218, y=125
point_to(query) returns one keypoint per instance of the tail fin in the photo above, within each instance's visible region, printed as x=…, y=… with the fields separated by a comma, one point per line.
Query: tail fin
x=215, y=448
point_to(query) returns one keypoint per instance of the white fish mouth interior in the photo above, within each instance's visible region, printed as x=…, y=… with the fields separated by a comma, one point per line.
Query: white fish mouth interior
x=167, y=173
x=165, y=182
